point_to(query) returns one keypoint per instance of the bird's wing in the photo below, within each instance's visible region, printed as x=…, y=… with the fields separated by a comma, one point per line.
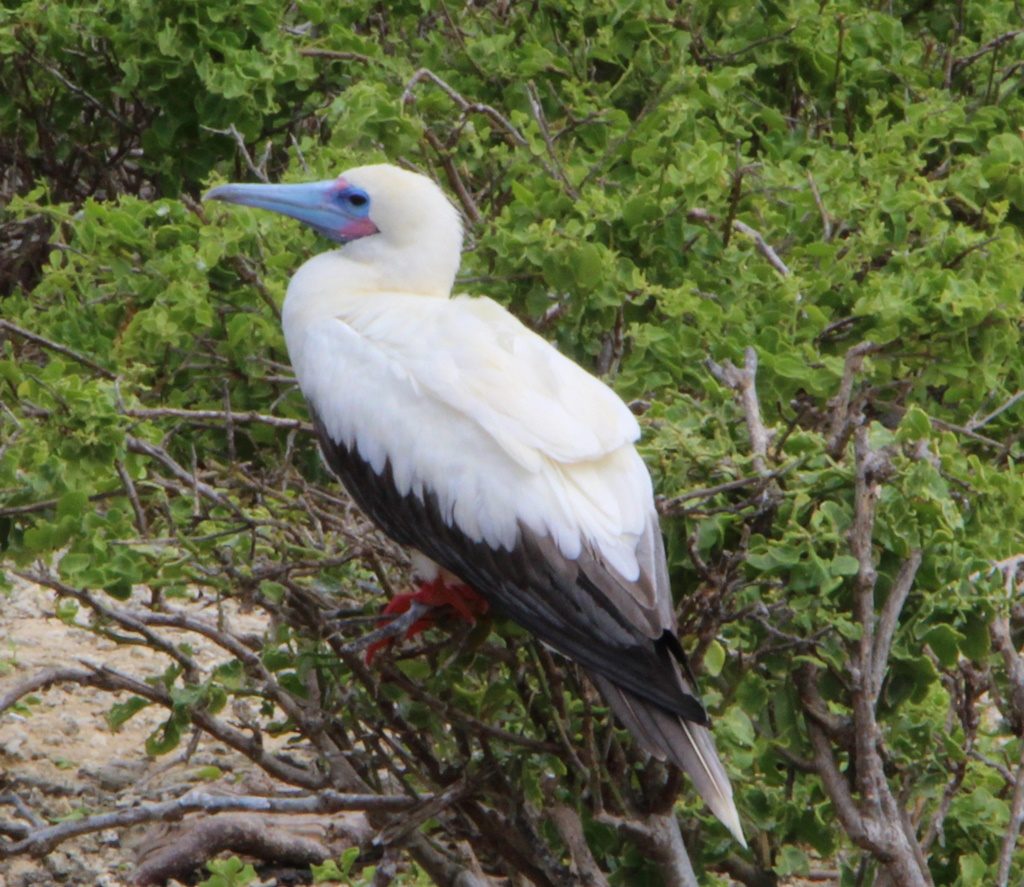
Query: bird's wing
x=456, y=429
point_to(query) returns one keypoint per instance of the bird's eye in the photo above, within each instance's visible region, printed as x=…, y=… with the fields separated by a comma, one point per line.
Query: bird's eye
x=355, y=199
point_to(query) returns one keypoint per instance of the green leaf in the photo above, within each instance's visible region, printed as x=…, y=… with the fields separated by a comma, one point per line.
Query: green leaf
x=945, y=644
x=714, y=658
x=915, y=424
x=972, y=870
x=229, y=873
x=165, y=738
x=791, y=861
x=844, y=565
x=67, y=610
x=121, y=712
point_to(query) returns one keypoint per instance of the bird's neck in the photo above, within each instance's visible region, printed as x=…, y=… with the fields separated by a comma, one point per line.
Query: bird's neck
x=340, y=283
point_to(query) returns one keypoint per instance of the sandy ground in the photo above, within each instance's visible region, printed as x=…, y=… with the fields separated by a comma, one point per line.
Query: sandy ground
x=58, y=754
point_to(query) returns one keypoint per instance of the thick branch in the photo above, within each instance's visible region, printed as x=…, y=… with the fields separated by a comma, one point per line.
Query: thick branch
x=842, y=423
x=659, y=836
x=870, y=775
x=1013, y=830
x=570, y=828
x=41, y=841
x=743, y=382
x=889, y=619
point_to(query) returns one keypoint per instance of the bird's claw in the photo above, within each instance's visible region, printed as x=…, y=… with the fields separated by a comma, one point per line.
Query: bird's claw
x=437, y=594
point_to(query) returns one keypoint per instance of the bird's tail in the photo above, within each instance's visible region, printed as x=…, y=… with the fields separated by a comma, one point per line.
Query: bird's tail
x=689, y=746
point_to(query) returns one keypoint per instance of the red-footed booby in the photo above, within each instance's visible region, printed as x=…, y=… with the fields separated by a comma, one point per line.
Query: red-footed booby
x=473, y=441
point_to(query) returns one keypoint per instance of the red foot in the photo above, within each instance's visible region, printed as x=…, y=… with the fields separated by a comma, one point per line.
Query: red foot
x=466, y=604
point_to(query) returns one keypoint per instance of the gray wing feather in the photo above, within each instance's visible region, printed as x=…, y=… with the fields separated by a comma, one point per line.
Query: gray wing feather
x=622, y=632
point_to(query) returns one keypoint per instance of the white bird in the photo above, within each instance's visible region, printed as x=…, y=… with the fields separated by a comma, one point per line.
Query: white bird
x=473, y=441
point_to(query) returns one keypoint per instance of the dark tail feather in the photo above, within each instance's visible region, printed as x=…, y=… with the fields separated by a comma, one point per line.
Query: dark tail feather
x=687, y=745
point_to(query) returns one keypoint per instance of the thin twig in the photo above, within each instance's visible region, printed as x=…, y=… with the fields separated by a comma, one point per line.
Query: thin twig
x=698, y=214
x=408, y=96
x=961, y=63
x=397, y=626
x=454, y=179
x=114, y=615
x=257, y=169
x=219, y=417
x=671, y=507
x=133, y=497
x=145, y=448
x=44, y=504
x=763, y=247
x=975, y=424
x=56, y=346
x=334, y=55
x=555, y=167
x=826, y=220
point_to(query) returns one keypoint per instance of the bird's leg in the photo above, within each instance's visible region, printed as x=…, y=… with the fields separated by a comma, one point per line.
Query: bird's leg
x=443, y=594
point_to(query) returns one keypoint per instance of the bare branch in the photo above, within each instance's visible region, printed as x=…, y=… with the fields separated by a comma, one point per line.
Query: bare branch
x=842, y=423
x=555, y=167
x=889, y=618
x=43, y=840
x=960, y=64
x=56, y=346
x=826, y=219
x=763, y=247
x=469, y=206
x=975, y=424
x=334, y=55
x=704, y=217
x=673, y=506
x=570, y=828
x=133, y=497
x=870, y=776
x=659, y=836
x=116, y=616
x=145, y=448
x=825, y=764
x=1002, y=639
x=408, y=96
x=219, y=417
x=1014, y=827
x=43, y=680
x=259, y=170
x=743, y=382
x=395, y=627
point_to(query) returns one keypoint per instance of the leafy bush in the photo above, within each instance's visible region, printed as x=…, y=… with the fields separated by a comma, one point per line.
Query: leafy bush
x=670, y=194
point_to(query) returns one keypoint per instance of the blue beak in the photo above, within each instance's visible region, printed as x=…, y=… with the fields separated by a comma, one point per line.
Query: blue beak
x=318, y=204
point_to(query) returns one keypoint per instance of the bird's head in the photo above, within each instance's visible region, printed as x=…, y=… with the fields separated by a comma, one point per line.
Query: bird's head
x=381, y=214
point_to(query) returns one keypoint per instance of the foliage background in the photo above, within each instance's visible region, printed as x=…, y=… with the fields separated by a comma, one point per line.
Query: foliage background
x=650, y=184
